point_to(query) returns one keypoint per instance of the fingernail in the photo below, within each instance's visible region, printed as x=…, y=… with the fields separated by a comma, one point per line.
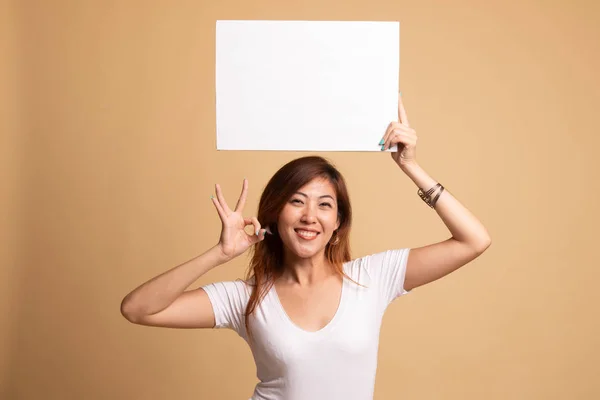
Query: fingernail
x=381, y=142
x=400, y=93
x=257, y=232
x=212, y=197
x=382, y=148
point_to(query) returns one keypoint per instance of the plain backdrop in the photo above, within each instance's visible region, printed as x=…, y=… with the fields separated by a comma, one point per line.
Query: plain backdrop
x=108, y=161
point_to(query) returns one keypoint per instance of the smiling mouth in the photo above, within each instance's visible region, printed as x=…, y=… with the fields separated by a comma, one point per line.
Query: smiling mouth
x=308, y=235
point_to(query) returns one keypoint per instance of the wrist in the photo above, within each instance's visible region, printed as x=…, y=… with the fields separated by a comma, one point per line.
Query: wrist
x=409, y=166
x=219, y=256
x=418, y=175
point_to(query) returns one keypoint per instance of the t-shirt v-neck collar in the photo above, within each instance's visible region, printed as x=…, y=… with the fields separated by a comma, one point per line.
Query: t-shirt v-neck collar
x=330, y=325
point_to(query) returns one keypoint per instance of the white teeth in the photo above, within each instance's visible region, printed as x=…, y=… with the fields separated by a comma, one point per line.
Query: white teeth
x=307, y=234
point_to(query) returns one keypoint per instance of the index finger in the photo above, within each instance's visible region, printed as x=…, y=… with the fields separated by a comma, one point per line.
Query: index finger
x=242, y=200
x=401, y=111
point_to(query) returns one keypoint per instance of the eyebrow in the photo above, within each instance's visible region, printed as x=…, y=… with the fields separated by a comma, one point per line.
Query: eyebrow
x=325, y=195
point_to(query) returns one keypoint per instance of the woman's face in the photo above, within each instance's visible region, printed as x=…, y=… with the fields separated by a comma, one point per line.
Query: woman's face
x=309, y=219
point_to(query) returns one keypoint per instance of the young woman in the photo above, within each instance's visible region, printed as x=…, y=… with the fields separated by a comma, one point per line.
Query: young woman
x=309, y=312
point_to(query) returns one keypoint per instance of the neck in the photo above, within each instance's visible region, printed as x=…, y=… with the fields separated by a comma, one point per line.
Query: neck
x=306, y=271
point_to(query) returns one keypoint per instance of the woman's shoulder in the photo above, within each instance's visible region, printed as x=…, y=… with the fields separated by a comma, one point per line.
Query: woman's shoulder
x=377, y=256
x=245, y=284
x=357, y=269
x=371, y=262
x=237, y=288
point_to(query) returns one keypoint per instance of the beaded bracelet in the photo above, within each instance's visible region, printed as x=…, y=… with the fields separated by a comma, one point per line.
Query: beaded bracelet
x=426, y=196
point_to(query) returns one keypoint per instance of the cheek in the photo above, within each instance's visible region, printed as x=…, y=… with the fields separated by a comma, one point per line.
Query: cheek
x=287, y=217
x=330, y=220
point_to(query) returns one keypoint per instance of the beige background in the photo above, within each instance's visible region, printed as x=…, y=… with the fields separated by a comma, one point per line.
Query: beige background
x=108, y=160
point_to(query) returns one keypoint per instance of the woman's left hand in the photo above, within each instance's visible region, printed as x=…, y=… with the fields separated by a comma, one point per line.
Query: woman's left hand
x=404, y=136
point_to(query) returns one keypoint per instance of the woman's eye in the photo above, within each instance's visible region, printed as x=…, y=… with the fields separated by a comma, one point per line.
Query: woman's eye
x=298, y=201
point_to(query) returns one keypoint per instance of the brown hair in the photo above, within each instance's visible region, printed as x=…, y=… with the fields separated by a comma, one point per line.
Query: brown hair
x=266, y=263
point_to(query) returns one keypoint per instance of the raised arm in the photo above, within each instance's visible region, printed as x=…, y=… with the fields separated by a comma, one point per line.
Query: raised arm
x=163, y=301
x=469, y=237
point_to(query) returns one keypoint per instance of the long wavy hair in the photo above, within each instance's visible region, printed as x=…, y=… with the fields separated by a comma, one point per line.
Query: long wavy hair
x=267, y=261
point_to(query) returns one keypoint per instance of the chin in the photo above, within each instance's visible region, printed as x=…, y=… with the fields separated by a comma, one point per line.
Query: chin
x=303, y=251
x=306, y=253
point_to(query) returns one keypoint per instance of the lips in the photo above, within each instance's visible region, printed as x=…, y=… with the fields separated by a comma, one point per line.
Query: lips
x=306, y=234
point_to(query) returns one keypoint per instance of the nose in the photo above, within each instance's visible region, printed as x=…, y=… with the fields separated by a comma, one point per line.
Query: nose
x=309, y=215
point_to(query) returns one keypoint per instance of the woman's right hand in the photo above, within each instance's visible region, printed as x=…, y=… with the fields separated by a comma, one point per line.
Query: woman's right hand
x=234, y=240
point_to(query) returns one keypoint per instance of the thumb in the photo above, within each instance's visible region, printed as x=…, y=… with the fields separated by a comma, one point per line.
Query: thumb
x=259, y=234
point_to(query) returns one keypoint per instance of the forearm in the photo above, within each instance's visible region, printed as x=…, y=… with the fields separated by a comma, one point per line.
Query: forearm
x=461, y=223
x=159, y=292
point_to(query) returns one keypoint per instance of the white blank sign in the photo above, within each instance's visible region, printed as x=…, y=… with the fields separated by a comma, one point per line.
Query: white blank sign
x=305, y=85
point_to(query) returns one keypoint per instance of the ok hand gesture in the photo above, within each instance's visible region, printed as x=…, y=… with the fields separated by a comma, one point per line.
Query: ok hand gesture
x=234, y=240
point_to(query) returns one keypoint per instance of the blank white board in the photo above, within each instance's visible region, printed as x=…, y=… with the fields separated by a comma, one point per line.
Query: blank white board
x=305, y=85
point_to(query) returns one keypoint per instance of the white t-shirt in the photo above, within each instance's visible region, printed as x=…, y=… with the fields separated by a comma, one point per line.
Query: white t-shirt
x=337, y=362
